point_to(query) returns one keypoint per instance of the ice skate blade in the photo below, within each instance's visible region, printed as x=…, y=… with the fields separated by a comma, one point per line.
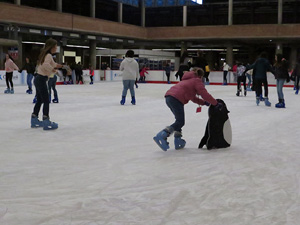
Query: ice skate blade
x=163, y=146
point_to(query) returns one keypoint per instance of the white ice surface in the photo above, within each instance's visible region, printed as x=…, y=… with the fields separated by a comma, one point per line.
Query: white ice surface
x=101, y=165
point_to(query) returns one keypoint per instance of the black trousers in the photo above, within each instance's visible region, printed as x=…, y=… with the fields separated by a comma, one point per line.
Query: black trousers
x=168, y=76
x=241, y=79
x=297, y=82
x=8, y=79
x=42, y=96
x=258, y=87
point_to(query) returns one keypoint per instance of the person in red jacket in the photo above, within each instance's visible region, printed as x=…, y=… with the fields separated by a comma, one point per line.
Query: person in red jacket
x=143, y=73
x=176, y=97
x=91, y=70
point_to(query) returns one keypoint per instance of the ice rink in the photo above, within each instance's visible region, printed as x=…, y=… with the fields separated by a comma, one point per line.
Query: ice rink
x=102, y=167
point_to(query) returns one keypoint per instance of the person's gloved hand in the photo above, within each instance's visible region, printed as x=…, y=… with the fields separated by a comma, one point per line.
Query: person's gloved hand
x=206, y=103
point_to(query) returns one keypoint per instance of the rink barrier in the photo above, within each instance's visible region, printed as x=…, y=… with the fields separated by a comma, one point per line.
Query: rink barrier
x=159, y=77
x=153, y=76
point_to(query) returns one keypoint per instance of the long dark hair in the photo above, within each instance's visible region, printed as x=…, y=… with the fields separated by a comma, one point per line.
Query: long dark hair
x=50, y=43
x=9, y=57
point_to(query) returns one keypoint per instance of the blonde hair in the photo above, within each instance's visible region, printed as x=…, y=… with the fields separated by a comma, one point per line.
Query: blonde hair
x=198, y=71
x=50, y=43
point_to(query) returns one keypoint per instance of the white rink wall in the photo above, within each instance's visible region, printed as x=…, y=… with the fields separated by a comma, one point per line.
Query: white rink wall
x=116, y=75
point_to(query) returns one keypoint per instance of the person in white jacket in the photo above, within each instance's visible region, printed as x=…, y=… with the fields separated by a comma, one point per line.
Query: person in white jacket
x=226, y=68
x=130, y=73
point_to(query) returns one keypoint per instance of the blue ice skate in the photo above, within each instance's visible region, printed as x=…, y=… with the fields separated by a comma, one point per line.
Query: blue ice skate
x=133, y=100
x=257, y=100
x=122, y=102
x=297, y=91
x=34, y=100
x=161, y=140
x=261, y=98
x=267, y=103
x=7, y=91
x=35, y=122
x=48, y=125
x=178, y=141
x=55, y=100
x=12, y=91
x=280, y=104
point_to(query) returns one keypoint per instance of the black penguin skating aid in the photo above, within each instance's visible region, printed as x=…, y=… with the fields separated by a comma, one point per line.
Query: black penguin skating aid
x=218, y=133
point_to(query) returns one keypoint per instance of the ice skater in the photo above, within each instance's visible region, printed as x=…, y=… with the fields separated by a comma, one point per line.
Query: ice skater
x=52, y=85
x=30, y=68
x=281, y=75
x=241, y=77
x=296, y=75
x=130, y=73
x=10, y=66
x=91, y=72
x=46, y=66
x=176, y=97
x=184, y=65
x=260, y=68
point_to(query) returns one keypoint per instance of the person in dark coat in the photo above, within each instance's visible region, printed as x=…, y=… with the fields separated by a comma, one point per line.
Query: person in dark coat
x=281, y=75
x=260, y=68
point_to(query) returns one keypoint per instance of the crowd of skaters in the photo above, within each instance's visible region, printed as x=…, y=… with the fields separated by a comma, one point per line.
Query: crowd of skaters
x=45, y=75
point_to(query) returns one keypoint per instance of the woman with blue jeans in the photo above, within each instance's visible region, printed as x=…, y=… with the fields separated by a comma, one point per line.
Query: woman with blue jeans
x=281, y=75
x=30, y=68
x=130, y=73
x=190, y=88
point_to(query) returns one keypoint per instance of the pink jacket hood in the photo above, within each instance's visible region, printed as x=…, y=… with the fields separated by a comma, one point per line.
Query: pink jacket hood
x=191, y=88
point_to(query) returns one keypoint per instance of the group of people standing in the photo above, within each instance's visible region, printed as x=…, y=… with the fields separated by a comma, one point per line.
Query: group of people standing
x=280, y=69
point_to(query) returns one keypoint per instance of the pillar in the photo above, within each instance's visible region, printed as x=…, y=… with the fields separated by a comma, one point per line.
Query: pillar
x=93, y=8
x=230, y=12
x=279, y=49
x=184, y=15
x=59, y=5
x=280, y=11
x=229, y=55
x=293, y=56
x=18, y=2
x=93, y=53
x=60, y=54
x=120, y=12
x=143, y=14
x=19, y=62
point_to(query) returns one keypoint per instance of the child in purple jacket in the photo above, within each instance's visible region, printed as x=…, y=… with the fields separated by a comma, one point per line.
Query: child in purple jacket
x=176, y=97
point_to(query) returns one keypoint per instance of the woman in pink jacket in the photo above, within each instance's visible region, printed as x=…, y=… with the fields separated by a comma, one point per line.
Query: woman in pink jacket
x=10, y=66
x=176, y=97
x=46, y=67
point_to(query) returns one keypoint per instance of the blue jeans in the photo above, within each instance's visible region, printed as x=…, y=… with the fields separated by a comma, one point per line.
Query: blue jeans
x=128, y=84
x=249, y=80
x=279, y=84
x=177, y=109
x=29, y=81
x=52, y=85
